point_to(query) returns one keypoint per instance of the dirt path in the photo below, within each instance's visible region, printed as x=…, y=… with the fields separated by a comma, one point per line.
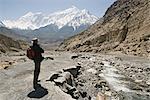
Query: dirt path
x=16, y=81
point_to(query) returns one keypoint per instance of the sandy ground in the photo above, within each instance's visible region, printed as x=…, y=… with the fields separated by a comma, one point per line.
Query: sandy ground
x=16, y=80
x=118, y=77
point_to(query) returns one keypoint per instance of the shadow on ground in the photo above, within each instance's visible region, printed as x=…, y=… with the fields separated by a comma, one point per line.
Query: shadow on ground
x=39, y=92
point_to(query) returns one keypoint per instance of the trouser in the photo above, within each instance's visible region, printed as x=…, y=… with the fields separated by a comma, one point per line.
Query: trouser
x=36, y=72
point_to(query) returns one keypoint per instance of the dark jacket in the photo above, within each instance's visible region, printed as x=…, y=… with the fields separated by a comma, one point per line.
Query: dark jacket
x=38, y=52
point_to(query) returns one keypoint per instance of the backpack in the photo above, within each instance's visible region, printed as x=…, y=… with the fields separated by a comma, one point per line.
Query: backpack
x=30, y=53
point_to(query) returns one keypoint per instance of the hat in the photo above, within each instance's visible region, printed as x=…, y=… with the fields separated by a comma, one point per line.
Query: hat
x=35, y=39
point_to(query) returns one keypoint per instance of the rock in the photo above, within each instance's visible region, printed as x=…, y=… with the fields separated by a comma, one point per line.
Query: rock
x=64, y=77
x=100, y=96
x=83, y=94
x=138, y=81
x=148, y=82
x=108, y=93
x=91, y=70
x=54, y=76
x=6, y=67
x=137, y=88
x=76, y=94
x=60, y=80
x=132, y=96
x=74, y=57
x=22, y=60
x=74, y=70
x=101, y=84
x=49, y=58
x=66, y=82
x=147, y=69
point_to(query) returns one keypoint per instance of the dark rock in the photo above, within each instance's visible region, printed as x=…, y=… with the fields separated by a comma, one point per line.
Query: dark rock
x=66, y=82
x=54, y=76
x=74, y=71
x=6, y=67
x=83, y=94
x=49, y=58
x=74, y=57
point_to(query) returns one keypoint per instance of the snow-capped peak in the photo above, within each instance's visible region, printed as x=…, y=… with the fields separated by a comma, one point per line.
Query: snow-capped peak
x=71, y=16
x=1, y=24
x=28, y=14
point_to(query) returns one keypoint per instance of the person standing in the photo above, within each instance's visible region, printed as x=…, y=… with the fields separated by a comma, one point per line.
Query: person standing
x=37, y=60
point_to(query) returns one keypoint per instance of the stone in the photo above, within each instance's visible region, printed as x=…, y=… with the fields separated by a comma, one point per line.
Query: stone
x=74, y=57
x=100, y=96
x=49, y=58
x=91, y=70
x=74, y=70
x=138, y=81
x=54, y=76
x=148, y=82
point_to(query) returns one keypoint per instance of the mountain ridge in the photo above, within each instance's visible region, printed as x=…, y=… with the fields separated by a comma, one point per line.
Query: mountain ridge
x=71, y=17
x=1, y=24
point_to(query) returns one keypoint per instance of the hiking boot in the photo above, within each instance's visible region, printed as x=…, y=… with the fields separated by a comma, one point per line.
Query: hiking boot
x=35, y=86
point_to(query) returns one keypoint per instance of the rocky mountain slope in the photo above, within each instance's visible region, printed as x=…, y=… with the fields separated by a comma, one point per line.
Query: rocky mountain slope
x=124, y=28
x=10, y=41
x=8, y=44
x=1, y=24
x=12, y=34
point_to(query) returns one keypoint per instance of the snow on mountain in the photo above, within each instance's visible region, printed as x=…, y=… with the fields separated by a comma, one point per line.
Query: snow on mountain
x=1, y=24
x=72, y=17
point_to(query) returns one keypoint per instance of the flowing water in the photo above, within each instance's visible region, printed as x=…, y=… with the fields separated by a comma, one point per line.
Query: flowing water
x=111, y=76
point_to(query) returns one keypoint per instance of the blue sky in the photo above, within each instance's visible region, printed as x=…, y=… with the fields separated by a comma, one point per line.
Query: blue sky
x=13, y=9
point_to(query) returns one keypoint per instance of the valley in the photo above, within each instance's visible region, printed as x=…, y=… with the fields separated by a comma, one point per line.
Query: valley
x=118, y=77
x=86, y=57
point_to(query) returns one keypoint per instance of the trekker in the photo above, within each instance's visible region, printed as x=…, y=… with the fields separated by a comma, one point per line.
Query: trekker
x=37, y=60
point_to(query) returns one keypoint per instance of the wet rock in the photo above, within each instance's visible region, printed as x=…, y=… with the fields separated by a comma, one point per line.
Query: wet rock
x=137, y=88
x=132, y=96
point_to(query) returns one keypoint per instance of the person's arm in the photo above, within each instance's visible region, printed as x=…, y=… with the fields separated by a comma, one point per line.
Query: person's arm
x=42, y=51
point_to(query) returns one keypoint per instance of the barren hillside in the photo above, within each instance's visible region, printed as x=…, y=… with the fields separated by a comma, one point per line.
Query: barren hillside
x=8, y=44
x=124, y=28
